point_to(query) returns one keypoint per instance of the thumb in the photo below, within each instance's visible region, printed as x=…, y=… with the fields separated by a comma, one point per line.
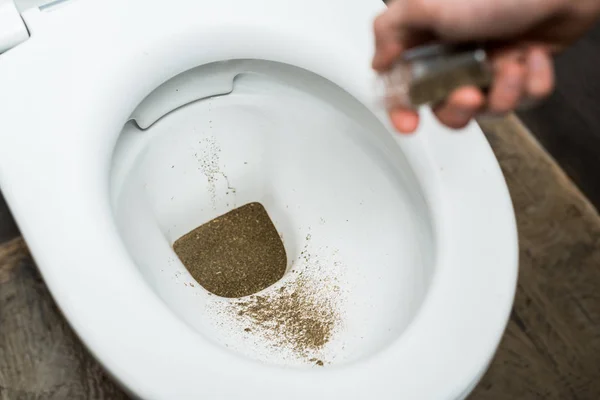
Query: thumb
x=393, y=34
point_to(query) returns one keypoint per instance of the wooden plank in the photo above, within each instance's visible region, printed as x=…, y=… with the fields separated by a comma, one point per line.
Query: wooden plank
x=551, y=349
x=40, y=357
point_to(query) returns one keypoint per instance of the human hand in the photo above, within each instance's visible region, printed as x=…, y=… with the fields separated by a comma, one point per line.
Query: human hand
x=520, y=35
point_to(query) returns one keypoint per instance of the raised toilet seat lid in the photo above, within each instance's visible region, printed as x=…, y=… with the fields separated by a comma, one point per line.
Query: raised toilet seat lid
x=65, y=94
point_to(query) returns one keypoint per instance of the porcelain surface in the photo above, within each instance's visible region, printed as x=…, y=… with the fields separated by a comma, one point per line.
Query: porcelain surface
x=111, y=102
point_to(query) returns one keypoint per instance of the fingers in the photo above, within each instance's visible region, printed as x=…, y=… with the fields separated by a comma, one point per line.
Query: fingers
x=405, y=22
x=388, y=46
x=456, y=112
x=462, y=105
x=510, y=76
x=540, y=74
x=468, y=20
x=404, y=121
x=388, y=42
x=521, y=77
x=392, y=36
x=506, y=91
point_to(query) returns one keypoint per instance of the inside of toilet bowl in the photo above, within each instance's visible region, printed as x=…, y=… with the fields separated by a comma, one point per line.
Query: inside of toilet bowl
x=337, y=187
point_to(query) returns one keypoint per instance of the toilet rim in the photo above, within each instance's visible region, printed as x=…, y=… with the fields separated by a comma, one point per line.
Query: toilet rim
x=97, y=317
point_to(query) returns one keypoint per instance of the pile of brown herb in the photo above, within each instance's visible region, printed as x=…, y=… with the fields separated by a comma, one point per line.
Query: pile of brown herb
x=235, y=255
x=296, y=317
x=238, y=255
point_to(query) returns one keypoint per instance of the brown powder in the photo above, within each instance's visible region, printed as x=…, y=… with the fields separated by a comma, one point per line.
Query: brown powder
x=296, y=317
x=235, y=255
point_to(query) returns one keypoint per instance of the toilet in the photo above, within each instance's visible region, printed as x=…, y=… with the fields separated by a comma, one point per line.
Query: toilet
x=124, y=125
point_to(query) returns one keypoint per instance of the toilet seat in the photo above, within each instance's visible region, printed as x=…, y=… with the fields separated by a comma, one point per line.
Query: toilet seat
x=65, y=94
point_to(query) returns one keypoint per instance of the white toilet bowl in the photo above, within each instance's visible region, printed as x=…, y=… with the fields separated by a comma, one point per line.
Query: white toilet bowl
x=124, y=125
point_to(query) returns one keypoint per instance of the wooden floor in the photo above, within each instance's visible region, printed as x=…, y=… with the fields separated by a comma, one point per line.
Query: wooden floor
x=551, y=349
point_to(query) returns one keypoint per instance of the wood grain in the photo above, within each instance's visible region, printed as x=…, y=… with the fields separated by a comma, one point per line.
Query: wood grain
x=40, y=357
x=551, y=349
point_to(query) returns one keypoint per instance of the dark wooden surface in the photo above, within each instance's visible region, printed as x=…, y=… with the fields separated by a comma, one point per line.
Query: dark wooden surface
x=551, y=349
x=40, y=357
x=568, y=124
